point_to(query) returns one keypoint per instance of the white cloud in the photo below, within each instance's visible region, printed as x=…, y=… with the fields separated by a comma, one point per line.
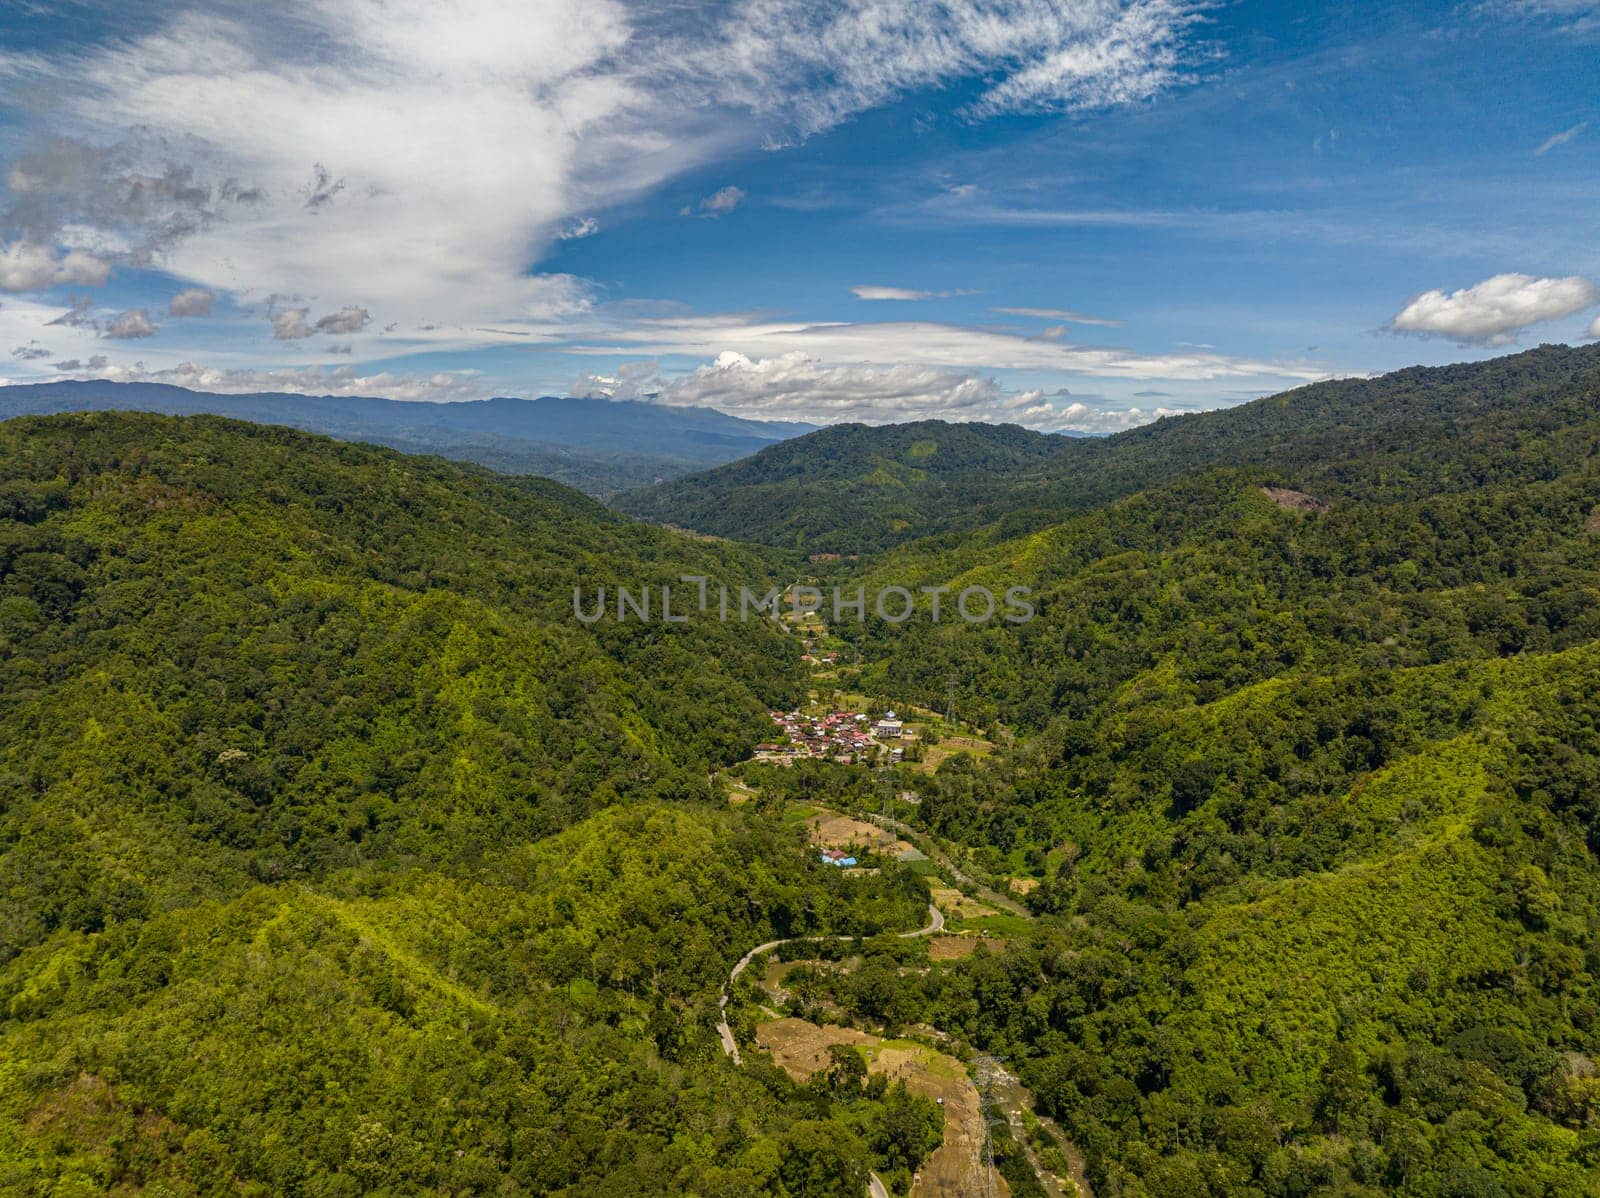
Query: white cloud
x=343, y=381
x=28, y=267
x=1594, y=330
x=718, y=203
x=814, y=65
x=868, y=291
x=1061, y=314
x=291, y=325
x=131, y=325
x=428, y=153
x=1494, y=311
x=923, y=343
x=1573, y=17
x=793, y=386
x=1081, y=418
x=1560, y=139
x=192, y=301
x=587, y=227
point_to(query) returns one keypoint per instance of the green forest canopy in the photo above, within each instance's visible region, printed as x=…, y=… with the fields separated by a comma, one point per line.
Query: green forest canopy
x=1306, y=766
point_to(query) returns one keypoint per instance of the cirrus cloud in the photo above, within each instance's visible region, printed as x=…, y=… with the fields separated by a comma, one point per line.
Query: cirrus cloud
x=448, y=146
x=1494, y=311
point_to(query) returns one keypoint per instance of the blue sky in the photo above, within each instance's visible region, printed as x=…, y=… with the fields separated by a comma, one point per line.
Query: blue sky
x=1064, y=215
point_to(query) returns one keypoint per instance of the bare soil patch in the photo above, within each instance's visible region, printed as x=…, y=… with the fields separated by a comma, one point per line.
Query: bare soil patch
x=801, y=1048
x=954, y=948
x=1294, y=501
x=841, y=831
x=956, y=905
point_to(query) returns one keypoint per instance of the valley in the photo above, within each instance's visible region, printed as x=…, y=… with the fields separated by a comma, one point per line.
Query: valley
x=1262, y=861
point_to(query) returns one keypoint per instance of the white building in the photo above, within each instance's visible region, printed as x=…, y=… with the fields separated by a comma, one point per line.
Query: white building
x=889, y=726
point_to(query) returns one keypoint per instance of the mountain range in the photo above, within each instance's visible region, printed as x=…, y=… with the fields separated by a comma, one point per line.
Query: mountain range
x=339, y=857
x=599, y=446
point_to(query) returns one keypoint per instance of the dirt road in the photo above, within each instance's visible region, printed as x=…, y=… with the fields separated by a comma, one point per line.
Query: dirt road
x=730, y=1046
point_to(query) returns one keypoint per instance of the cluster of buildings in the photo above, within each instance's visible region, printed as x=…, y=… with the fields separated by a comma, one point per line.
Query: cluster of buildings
x=844, y=736
x=841, y=735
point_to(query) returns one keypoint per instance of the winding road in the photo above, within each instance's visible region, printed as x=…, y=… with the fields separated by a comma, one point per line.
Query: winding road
x=1014, y=1098
x=730, y=1047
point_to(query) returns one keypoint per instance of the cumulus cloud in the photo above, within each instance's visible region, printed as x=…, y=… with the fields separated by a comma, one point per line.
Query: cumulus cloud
x=1081, y=418
x=131, y=325
x=346, y=320
x=1063, y=314
x=796, y=387
x=73, y=366
x=718, y=203
x=25, y=266
x=1594, y=330
x=1494, y=311
x=192, y=301
x=292, y=324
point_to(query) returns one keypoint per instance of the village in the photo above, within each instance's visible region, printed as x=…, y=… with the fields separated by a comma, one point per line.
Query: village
x=848, y=737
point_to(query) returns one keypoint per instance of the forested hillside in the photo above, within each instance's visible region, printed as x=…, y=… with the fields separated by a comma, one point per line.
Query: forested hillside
x=339, y=858
x=850, y=488
x=334, y=852
x=267, y=655
x=1308, y=772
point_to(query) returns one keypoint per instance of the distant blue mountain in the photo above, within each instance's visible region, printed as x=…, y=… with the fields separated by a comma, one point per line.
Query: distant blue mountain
x=598, y=445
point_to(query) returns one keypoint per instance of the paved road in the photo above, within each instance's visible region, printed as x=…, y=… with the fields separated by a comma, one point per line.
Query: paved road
x=875, y=1186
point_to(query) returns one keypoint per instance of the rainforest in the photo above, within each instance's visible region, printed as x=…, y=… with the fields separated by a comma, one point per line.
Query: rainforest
x=340, y=858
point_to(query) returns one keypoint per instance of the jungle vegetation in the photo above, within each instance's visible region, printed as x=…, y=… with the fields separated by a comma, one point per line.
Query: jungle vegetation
x=338, y=858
